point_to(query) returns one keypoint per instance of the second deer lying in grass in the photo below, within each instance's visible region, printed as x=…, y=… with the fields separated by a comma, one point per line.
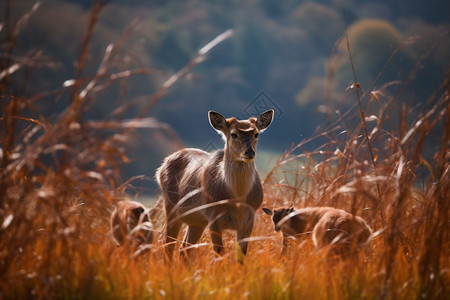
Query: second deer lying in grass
x=130, y=223
x=339, y=230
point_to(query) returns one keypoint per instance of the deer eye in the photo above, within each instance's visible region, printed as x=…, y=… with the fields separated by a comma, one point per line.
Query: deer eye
x=256, y=135
x=234, y=135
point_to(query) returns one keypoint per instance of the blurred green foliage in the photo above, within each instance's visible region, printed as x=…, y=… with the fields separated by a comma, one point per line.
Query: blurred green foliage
x=322, y=23
x=372, y=42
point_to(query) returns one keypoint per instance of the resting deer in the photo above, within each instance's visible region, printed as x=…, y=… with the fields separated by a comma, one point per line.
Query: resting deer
x=130, y=222
x=222, y=188
x=340, y=230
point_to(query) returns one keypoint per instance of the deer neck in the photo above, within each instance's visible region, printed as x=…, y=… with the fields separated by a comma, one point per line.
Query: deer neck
x=239, y=176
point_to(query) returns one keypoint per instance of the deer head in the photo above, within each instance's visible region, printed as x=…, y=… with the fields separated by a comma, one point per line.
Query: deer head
x=241, y=136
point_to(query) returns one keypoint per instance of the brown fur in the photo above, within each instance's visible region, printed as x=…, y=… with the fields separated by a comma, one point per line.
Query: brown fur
x=340, y=230
x=222, y=189
x=126, y=216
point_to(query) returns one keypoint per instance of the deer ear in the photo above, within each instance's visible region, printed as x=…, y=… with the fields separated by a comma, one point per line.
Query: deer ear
x=264, y=120
x=267, y=211
x=217, y=121
x=137, y=212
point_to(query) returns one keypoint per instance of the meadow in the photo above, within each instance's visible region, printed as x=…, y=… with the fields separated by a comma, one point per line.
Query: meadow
x=383, y=159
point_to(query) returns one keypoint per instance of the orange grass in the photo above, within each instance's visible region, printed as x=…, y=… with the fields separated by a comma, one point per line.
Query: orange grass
x=59, y=181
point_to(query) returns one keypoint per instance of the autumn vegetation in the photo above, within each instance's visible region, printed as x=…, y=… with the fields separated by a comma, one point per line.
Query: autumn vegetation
x=382, y=159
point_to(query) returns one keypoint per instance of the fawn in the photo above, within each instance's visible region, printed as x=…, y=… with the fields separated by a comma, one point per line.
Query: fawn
x=222, y=188
x=130, y=222
x=343, y=232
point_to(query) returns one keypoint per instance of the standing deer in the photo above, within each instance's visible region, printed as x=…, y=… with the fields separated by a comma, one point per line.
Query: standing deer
x=343, y=232
x=222, y=188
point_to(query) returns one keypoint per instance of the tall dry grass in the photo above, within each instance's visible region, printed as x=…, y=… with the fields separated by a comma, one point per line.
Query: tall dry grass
x=59, y=179
x=399, y=185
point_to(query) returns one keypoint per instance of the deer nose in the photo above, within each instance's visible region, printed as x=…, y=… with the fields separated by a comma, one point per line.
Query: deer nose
x=249, y=153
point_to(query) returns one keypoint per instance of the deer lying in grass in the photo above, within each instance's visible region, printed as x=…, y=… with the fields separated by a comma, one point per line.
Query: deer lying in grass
x=340, y=231
x=130, y=222
x=222, y=189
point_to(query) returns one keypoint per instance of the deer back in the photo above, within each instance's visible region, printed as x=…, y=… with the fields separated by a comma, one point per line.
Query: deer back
x=130, y=221
x=338, y=226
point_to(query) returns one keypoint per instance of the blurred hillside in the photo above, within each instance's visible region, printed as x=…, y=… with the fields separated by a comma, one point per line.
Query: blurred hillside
x=289, y=50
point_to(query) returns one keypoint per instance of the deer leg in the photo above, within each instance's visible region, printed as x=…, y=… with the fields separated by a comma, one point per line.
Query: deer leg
x=193, y=235
x=285, y=245
x=216, y=237
x=171, y=237
x=242, y=236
